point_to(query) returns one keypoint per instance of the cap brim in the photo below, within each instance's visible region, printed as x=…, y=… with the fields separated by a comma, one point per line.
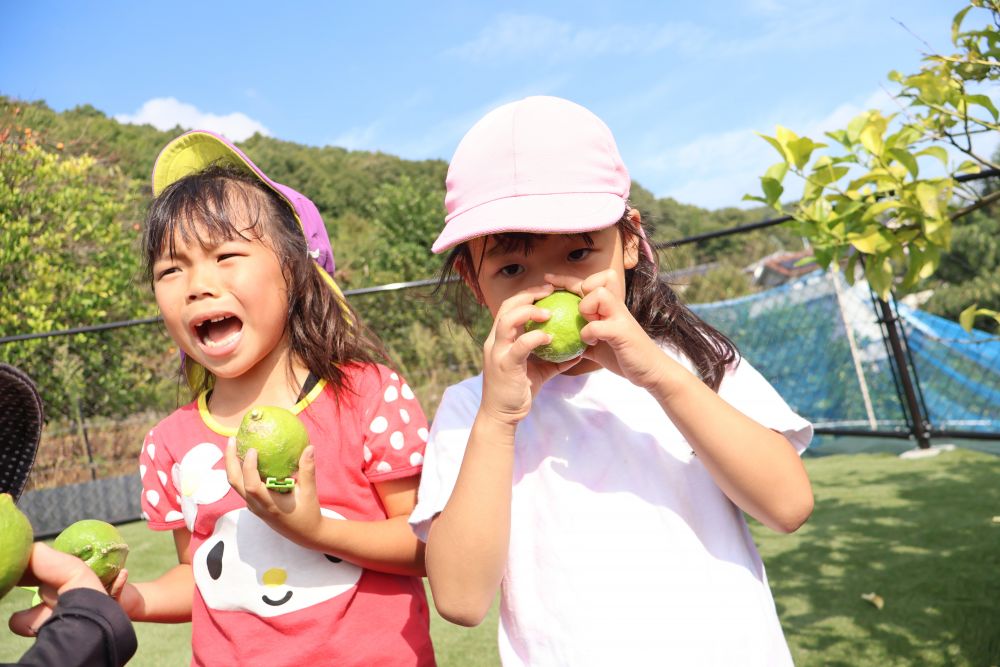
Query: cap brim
x=568, y=213
x=192, y=152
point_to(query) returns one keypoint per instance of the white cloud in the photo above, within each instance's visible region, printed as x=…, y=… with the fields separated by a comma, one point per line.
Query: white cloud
x=358, y=138
x=715, y=171
x=166, y=113
x=524, y=36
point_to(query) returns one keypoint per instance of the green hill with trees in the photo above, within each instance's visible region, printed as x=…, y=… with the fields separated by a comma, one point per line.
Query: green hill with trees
x=74, y=186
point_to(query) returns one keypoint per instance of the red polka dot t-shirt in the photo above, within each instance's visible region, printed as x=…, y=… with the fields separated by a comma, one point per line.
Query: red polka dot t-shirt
x=262, y=599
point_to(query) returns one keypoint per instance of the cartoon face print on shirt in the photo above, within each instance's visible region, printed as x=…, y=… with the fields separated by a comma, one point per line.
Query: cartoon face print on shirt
x=247, y=566
x=199, y=482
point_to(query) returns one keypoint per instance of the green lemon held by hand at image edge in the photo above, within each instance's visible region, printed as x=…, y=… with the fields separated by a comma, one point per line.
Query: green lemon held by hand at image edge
x=16, y=537
x=98, y=544
x=279, y=438
x=564, y=325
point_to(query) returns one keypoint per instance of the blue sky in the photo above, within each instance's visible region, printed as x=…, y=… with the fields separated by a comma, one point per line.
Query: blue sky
x=684, y=86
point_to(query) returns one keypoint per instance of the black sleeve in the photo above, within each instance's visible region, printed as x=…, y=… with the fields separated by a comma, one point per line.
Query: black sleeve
x=87, y=628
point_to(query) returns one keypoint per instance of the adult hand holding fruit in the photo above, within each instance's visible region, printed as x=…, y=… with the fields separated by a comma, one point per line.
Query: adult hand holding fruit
x=84, y=625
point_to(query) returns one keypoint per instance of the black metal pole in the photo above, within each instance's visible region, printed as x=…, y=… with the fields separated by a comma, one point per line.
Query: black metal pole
x=920, y=424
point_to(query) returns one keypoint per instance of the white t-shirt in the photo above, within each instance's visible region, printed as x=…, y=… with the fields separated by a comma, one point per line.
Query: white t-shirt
x=623, y=551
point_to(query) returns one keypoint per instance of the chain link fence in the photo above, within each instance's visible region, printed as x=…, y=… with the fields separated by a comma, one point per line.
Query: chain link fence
x=851, y=364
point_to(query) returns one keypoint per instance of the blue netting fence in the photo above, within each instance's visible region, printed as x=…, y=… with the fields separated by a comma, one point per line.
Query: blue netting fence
x=821, y=343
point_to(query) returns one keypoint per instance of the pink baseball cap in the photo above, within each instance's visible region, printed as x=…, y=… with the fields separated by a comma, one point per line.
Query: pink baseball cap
x=542, y=165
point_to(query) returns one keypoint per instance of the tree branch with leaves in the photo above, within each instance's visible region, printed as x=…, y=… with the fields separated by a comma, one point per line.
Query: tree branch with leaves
x=870, y=202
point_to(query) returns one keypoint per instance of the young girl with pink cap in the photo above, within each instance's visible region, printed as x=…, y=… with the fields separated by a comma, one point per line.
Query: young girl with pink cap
x=330, y=573
x=604, y=495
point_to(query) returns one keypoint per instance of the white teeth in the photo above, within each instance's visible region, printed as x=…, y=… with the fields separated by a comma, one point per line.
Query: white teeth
x=220, y=343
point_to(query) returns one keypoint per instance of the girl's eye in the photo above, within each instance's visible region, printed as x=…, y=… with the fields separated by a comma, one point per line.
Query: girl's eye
x=580, y=254
x=228, y=255
x=511, y=270
x=163, y=273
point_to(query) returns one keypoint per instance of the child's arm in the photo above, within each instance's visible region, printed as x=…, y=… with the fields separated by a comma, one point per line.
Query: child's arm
x=387, y=545
x=468, y=542
x=757, y=468
x=168, y=598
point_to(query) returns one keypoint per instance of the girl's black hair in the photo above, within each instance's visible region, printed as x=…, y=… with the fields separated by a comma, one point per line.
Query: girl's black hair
x=649, y=297
x=324, y=332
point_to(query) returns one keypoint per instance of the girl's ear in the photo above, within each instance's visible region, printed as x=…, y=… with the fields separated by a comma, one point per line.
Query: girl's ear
x=631, y=250
x=469, y=278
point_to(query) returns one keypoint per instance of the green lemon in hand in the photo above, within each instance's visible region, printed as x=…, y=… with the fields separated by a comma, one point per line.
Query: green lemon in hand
x=98, y=544
x=279, y=438
x=16, y=537
x=564, y=325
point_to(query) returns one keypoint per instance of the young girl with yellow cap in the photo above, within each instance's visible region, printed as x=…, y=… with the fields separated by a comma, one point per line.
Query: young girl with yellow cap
x=241, y=268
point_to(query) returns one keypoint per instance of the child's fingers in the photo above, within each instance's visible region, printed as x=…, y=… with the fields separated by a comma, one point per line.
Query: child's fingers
x=118, y=585
x=563, y=282
x=306, y=482
x=234, y=469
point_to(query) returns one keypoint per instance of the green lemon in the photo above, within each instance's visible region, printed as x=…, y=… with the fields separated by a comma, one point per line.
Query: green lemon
x=564, y=325
x=279, y=438
x=98, y=544
x=16, y=537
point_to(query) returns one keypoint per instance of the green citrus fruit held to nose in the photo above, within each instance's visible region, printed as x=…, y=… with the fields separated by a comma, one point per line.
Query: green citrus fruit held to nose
x=564, y=325
x=279, y=438
x=16, y=537
x=98, y=544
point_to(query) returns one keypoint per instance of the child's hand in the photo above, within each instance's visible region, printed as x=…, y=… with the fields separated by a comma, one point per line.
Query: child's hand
x=615, y=340
x=295, y=515
x=511, y=376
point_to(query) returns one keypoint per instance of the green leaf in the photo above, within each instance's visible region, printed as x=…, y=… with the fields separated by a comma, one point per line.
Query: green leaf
x=856, y=125
x=935, y=151
x=929, y=198
x=878, y=270
x=969, y=167
x=906, y=159
x=772, y=189
x=871, y=138
x=870, y=241
x=827, y=173
x=956, y=24
x=983, y=101
x=777, y=171
x=968, y=317
x=777, y=146
x=879, y=208
x=801, y=150
x=840, y=136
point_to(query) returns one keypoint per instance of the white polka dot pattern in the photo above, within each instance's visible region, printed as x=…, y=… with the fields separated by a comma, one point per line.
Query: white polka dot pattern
x=394, y=445
x=396, y=440
x=159, y=502
x=379, y=424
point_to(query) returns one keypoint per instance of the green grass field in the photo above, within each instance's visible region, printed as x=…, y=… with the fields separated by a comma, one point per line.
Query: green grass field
x=919, y=533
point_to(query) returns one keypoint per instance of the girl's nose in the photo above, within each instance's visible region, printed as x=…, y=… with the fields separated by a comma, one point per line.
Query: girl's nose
x=201, y=284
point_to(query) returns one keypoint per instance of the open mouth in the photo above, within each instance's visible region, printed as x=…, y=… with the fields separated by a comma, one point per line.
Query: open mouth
x=219, y=331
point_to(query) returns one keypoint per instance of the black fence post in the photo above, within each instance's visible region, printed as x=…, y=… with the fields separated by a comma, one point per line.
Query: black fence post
x=920, y=427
